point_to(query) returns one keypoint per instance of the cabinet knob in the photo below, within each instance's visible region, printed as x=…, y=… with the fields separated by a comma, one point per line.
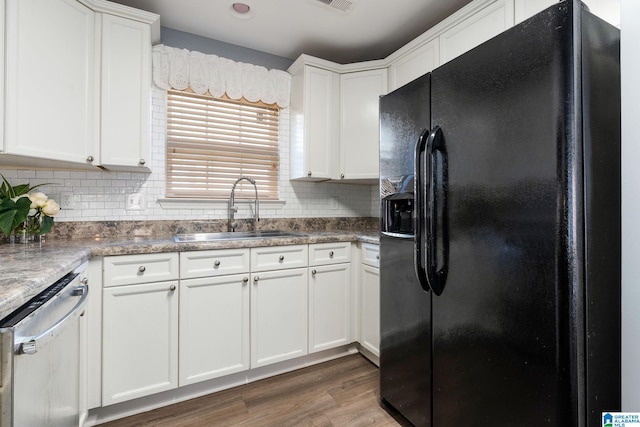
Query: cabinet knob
x=281, y=258
x=90, y=159
x=313, y=272
x=142, y=269
x=142, y=162
x=245, y=279
x=309, y=173
x=217, y=263
x=172, y=288
x=378, y=256
x=341, y=175
x=331, y=254
x=255, y=279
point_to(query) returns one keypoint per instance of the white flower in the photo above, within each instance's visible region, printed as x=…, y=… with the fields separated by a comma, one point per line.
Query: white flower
x=38, y=200
x=50, y=207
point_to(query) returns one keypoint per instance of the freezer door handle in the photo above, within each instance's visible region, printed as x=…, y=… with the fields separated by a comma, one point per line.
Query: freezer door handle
x=437, y=218
x=420, y=211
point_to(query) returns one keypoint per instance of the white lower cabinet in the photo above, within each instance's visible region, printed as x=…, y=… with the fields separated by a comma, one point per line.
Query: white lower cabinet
x=329, y=306
x=139, y=326
x=370, y=299
x=214, y=314
x=329, y=295
x=171, y=320
x=279, y=315
x=140, y=340
x=214, y=327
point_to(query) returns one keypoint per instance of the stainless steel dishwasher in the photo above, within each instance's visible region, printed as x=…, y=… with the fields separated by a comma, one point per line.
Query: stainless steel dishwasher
x=40, y=356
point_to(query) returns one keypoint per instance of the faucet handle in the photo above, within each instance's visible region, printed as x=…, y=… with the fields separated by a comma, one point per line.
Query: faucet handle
x=233, y=209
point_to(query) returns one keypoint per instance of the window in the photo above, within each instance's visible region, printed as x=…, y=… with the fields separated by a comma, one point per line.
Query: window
x=211, y=142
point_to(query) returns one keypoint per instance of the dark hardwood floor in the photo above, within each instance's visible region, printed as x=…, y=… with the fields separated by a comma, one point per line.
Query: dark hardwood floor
x=342, y=392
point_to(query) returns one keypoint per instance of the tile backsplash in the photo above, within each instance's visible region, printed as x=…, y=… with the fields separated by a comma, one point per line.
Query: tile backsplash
x=102, y=195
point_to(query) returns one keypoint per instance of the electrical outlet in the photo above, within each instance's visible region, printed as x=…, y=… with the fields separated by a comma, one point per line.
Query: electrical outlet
x=136, y=202
x=66, y=200
x=333, y=202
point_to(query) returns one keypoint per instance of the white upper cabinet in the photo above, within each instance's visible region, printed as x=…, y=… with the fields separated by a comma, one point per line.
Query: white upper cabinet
x=314, y=123
x=414, y=64
x=77, y=84
x=334, y=119
x=50, y=80
x=125, y=93
x=470, y=26
x=525, y=9
x=476, y=29
x=359, y=130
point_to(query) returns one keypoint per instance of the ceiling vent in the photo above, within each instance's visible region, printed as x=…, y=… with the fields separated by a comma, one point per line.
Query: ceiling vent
x=343, y=6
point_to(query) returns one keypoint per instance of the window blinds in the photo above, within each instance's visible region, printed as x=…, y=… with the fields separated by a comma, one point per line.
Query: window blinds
x=211, y=142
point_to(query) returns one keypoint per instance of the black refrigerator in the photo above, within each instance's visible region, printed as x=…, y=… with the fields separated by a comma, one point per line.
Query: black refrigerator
x=500, y=231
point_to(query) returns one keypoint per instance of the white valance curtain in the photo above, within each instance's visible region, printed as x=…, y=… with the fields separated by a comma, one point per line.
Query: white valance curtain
x=180, y=68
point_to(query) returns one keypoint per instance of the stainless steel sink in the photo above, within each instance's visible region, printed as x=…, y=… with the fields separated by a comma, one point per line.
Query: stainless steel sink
x=234, y=235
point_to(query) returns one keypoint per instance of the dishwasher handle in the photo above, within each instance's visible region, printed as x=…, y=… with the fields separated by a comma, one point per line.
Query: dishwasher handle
x=30, y=344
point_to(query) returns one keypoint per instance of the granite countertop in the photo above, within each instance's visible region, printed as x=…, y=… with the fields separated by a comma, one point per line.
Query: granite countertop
x=28, y=269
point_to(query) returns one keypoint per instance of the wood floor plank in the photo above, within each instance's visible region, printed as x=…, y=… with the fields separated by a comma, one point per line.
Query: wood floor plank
x=341, y=392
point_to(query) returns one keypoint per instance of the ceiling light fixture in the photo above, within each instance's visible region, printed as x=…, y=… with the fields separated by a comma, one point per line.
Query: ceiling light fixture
x=241, y=10
x=241, y=7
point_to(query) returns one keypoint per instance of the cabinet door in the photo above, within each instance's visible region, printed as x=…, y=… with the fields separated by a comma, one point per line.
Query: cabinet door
x=314, y=123
x=126, y=93
x=370, y=320
x=279, y=309
x=359, y=123
x=476, y=29
x=414, y=64
x=214, y=327
x=329, y=306
x=140, y=340
x=50, y=80
x=525, y=9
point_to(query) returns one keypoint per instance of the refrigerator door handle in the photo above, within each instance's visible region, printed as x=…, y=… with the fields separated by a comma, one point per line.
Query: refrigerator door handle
x=436, y=220
x=419, y=211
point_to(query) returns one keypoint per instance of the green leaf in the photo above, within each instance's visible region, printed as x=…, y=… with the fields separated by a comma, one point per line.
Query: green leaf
x=13, y=213
x=47, y=223
x=9, y=192
x=19, y=190
x=6, y=189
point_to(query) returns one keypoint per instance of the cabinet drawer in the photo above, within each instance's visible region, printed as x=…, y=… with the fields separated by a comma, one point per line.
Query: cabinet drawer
x=134, y=269
x=213, y=263
x=371, y=254
x=329, y=253
x=279, y=257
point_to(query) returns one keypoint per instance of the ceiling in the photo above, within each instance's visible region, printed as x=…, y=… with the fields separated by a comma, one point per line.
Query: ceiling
x=372, y=29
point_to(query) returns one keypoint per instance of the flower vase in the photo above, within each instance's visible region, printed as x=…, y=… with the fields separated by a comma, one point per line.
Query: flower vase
x=19, y=235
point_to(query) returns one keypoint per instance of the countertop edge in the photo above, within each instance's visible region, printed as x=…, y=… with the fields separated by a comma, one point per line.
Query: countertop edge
x=27, y=270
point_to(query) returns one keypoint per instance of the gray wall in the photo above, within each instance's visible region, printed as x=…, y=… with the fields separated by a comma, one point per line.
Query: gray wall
x=179, y=39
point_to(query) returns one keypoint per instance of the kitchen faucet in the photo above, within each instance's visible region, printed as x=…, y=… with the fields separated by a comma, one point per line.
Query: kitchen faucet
x=233, y=209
